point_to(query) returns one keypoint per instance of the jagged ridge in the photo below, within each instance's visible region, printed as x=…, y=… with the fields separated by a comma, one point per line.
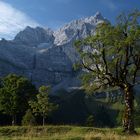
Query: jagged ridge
x=47, y=57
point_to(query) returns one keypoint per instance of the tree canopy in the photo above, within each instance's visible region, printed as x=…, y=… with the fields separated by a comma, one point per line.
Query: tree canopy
x=113, y=54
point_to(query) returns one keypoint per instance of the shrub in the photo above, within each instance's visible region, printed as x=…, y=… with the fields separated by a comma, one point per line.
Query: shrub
x=28, y=118
x=90, y=120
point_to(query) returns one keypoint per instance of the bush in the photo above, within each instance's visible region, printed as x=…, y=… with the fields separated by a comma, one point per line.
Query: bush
x=90, y=120
x=28, y=118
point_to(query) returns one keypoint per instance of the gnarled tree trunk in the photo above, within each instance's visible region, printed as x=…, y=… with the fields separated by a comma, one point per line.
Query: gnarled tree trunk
x=128, y=120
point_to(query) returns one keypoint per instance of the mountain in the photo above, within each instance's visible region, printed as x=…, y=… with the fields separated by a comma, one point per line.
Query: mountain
x=35, y=36
x=78, y=29
x=45, y=56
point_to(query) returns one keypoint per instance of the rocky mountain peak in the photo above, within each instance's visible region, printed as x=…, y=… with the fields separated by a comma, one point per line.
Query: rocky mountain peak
x=78, y=29
x=98, y=15
x=35, y=36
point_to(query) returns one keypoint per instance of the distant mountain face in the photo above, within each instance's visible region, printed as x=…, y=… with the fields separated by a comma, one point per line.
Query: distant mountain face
x=78, y=29
x=34, y=36
x=47, y=57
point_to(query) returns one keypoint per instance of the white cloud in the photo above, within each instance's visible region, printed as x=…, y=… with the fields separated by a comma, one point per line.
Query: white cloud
x=12, y=21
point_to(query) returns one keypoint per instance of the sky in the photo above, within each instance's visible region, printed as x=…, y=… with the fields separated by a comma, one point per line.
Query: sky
x=15, y=15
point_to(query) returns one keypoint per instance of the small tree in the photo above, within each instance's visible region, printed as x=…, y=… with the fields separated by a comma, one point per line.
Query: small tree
x=28, y=118
x=15, y=92
x=90, y=120
x=113, y=60
x=42, y=105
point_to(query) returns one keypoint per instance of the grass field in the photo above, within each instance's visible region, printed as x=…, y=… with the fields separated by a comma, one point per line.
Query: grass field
x=63, y=133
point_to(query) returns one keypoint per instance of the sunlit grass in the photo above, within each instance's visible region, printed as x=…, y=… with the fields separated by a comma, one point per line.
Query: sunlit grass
x=63, y=133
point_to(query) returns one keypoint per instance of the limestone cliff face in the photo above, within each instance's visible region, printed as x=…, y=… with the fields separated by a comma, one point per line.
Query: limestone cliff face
x=47, y=57
x=34, y=36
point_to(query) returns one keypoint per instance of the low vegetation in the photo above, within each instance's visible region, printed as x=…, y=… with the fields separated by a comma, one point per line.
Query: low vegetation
x=62, y=133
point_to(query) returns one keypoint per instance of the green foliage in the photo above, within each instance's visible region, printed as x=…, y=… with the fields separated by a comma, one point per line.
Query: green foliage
x=112, y=59
x=15, y=92
x=90, y=120
x=42, y=105
x=28, y=118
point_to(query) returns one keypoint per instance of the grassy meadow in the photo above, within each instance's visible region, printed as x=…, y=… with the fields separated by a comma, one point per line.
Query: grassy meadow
x=63, y=133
